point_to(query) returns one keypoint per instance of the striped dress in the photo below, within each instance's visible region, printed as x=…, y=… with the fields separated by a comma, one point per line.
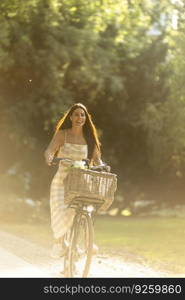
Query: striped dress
x=61, y=215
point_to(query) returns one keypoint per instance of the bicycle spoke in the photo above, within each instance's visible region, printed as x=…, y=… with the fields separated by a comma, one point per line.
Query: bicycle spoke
x=81, y=247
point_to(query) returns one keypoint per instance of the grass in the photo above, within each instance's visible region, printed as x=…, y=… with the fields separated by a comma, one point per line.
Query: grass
x=157, y=241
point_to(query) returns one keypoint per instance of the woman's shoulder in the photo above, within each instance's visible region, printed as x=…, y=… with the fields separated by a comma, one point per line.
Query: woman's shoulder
x=61, y=132
x=60, y=135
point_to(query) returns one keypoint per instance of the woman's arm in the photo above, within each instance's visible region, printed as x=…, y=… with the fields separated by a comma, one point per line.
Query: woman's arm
x=97, y=160
x=96, y=156
x=56, y=142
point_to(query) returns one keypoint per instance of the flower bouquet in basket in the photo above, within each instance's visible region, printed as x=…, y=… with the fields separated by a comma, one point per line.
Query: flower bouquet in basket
x=81, y=164
x=95, y=185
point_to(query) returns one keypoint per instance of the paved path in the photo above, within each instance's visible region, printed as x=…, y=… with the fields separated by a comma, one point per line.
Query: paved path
x=22, y=258
x=13, y=266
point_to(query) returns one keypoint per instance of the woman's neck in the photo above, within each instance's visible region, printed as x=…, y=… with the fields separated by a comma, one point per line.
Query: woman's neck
x=75, y=136
x=75, y=131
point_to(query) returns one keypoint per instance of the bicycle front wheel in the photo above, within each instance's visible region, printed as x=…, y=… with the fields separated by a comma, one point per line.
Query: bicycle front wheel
x=81, y=246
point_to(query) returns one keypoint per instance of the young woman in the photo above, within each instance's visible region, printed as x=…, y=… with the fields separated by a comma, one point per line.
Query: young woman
x=75, y=138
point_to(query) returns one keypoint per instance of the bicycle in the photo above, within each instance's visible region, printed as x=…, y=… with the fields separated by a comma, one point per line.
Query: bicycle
x=79, y=239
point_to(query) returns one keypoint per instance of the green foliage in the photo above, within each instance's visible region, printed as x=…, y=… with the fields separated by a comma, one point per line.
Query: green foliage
x=122, y=59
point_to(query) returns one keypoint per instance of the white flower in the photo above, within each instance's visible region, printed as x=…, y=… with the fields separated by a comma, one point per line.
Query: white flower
x=79, y=164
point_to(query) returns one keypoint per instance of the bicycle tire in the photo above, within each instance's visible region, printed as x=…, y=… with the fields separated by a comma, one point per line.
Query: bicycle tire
x=79, y=262
x=67, y=238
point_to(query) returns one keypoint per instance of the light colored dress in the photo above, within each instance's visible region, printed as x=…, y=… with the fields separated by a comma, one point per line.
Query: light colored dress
x=61, y=215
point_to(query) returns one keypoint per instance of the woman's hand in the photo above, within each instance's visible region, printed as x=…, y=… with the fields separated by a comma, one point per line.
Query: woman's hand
x=108, y=169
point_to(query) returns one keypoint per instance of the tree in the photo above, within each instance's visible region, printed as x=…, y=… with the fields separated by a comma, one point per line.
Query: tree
x=117, y=58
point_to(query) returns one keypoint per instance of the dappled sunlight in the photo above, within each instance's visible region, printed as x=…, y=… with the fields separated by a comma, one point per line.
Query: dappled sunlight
x=125, y=61
x=126, y=212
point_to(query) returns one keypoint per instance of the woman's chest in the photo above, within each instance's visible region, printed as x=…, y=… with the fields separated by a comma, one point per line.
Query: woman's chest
x=74, y=151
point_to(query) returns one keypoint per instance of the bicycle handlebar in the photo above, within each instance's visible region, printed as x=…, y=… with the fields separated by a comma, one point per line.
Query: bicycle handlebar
x=57, y=159
x=101, y=167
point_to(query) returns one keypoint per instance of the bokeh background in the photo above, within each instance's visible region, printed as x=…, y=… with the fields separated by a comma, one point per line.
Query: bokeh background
x=123, y=59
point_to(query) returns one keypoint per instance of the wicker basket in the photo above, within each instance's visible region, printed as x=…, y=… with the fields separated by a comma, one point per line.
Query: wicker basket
x=90, y=184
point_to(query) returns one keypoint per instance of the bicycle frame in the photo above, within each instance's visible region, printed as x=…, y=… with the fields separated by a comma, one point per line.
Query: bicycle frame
x=84, y=211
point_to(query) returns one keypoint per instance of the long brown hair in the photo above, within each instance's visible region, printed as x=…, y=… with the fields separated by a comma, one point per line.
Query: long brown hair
x=89, y=129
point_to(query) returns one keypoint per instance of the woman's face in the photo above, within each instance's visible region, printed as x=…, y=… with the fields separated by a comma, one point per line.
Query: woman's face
x=78, y=117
